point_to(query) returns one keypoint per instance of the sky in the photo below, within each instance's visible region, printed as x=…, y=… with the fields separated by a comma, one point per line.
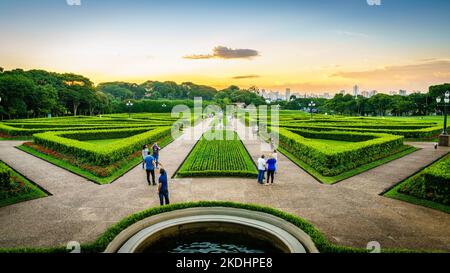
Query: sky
x=308, y=46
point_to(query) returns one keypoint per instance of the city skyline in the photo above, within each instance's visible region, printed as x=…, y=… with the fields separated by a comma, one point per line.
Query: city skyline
x=307, y=46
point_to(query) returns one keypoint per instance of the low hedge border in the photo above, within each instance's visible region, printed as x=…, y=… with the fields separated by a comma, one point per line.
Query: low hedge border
x=104, y=154
x=125, y=167
x=33, y=190
x=332, y=161
x=412, y=133
x=99, y=245
x=429, y=187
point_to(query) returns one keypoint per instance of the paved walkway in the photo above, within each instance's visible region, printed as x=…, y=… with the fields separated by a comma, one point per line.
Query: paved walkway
x=349, y=213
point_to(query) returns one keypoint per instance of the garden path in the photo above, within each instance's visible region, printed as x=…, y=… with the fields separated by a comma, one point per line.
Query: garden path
x=350, y=213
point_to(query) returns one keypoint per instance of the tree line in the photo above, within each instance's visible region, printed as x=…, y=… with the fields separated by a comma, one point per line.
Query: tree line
x=417, y=104
x=38, y=93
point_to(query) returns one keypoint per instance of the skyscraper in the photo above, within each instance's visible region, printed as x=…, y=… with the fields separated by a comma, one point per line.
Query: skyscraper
x=288, y=94
x=355, y=90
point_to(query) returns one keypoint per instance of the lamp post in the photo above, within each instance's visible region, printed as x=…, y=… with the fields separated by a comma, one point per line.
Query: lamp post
x=129, y=105
x=311, y=105
x=444, y=137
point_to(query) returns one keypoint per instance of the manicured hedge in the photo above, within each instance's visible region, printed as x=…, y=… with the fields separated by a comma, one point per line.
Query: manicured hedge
x=432, y=184
x=218, y=158
x=100, y=154
x=6, y=175
x=407, y=133
x=333, y=160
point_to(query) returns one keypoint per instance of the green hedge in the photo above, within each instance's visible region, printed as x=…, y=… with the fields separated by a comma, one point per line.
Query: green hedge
x=6, y=182
x=433, y=183
x=101, y=154
x=333, y=160
x=407, y=133
x=218, y=158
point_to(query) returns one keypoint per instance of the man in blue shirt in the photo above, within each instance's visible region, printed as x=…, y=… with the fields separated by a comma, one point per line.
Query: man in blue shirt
x=150, y=168
x=163, y=188
x=271, y=167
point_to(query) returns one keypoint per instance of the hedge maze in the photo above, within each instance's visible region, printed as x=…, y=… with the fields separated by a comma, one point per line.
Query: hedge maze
x=98, y=148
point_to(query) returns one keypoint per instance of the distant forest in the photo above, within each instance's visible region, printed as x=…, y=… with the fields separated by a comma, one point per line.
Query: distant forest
x=38, y=93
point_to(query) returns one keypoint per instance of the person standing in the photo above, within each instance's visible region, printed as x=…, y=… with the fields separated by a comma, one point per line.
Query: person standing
x=156, y=149
x=261, y=169
x=163, y=188
x=271, y=169
x=275, y=155
x=144, y=154
x=150, y=168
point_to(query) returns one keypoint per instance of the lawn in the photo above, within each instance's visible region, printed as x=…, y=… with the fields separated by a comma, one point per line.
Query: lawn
x=218, y=157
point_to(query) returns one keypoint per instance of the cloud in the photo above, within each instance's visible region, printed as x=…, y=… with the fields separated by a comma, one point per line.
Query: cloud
x=241, y=77
x=221, y=52
x=417, y=71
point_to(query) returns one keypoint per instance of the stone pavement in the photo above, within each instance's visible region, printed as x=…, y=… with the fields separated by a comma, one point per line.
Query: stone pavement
x=350, y=213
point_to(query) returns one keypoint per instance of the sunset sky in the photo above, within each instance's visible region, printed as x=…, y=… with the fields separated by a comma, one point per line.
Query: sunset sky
x=316, y=45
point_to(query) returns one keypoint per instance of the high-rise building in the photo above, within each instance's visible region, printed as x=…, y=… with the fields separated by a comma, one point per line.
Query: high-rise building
x=373, y=93
x=342, y=92
x=288, y=94
x=355, y=90
x=402, y=92
x=365, y=94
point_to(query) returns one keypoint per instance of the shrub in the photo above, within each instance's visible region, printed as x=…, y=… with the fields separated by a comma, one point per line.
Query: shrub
x=69, y=142
x=433, y=183
x=218, y=158
x=333, y=160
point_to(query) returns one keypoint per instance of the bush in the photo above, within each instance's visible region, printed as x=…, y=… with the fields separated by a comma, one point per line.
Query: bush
x=433, y=183
x=69, y=142
x=6, y=174
x=218, y=158
x=334, y=160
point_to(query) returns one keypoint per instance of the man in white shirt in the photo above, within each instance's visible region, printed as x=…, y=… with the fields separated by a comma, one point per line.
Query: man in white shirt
x=261, y=169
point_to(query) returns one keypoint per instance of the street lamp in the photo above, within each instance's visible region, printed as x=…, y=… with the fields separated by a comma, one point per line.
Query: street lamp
x=311, y=105
x=444, y=137
x=129, y=105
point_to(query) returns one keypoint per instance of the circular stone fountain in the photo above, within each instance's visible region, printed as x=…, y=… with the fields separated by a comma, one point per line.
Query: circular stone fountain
x=212, y=230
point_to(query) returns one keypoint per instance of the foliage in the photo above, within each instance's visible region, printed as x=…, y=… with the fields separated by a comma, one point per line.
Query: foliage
x=334, y=160
x=214, y=158
x=69, y=142
x=433, y=183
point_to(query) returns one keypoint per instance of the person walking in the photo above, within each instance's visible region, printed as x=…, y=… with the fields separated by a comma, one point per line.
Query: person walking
x=156, y=149
x=163, y=188
x=150, y=168
x=144, y=154
x=261, y=169
x=271, y=169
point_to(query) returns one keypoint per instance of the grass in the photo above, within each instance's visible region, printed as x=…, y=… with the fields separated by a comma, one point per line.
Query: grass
x=32, y=191
x=99, y=180
x=335, y=179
